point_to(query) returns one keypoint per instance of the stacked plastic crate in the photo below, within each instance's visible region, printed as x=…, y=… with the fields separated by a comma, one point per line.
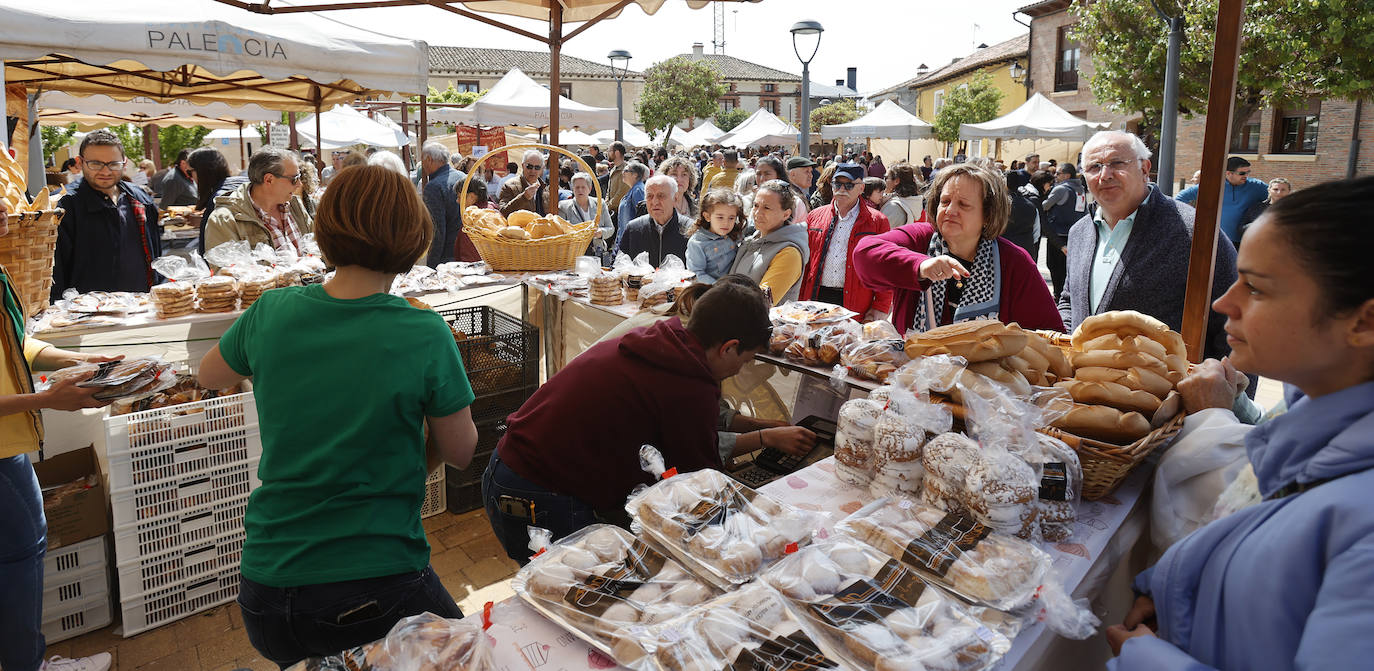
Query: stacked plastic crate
x=180, y=477
x=501, y=356
x=76, y=590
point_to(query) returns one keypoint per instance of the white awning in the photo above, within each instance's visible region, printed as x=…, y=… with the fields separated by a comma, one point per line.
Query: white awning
x=98, y=104
x=633, y=136
x=344, y=126
x=762, y=128
x=1035, y=119
x=888, y=121
x=517, y=100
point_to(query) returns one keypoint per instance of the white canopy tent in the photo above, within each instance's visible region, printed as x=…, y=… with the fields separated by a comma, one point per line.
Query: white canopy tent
x=142, y=106
x=344, y=126
x=633, y=136
x=517, y=100
x=887, y=121
x=705, y=133
x=1036, y=119
x=249, y=134
x=761, y=128
x=576, y=137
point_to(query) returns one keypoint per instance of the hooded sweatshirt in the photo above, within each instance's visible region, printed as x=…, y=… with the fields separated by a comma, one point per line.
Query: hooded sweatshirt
x=1287, y=583
x=579, y=435
x=756, y=254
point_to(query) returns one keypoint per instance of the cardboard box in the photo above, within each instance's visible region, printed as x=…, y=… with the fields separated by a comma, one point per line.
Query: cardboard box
x=75, y=515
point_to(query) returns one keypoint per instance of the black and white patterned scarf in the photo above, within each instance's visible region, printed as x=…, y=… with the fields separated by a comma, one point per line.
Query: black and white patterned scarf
x=982, y=295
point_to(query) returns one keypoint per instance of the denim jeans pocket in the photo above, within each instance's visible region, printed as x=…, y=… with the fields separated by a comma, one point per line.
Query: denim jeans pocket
x=363, y=616
x=269, y=631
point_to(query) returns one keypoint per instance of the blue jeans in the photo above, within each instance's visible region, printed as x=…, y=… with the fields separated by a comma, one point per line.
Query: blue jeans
x=23, y=541
x=288, y=624
x=515, y=504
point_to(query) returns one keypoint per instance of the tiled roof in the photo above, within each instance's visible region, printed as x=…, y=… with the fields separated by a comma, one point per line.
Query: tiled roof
x=819, y=90
x=736, y=68
x=1044, y=8
x=500, y=61
x=1012, y=48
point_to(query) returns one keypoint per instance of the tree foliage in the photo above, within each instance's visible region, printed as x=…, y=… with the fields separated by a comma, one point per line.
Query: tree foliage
x=450, y=95
x=840, y=111
x=54, y=138
x=976, y=101
x=131, y=136
x=172, y=139
x=727, y=120
x=1290, y=50
x=678, y=89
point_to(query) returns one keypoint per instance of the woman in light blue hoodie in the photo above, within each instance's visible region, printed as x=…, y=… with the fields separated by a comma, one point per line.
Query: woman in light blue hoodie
x=715, y=237
x=1289, y=582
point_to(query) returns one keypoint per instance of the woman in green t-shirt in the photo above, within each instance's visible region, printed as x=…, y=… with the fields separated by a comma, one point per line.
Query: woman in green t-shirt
x=346, y=377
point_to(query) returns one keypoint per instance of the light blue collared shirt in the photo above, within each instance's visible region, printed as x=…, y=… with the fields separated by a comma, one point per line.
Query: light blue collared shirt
x=1111, y=243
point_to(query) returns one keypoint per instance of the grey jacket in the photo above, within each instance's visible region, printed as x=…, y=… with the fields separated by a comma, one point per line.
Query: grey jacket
x=1152, y=276
x=756, y=255
x=605, y=228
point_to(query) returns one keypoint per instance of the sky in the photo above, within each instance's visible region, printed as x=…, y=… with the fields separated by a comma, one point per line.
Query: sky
x=885, y=39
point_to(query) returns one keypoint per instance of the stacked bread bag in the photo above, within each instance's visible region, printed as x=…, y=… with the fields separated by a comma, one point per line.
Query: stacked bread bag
x=601, y=583
x=1125, y=365
x=993, y=351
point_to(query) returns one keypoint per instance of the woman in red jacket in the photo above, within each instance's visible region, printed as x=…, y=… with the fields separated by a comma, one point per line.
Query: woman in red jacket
x=960, y=268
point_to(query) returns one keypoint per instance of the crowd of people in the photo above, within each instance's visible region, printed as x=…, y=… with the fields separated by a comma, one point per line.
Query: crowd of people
x=335, y=553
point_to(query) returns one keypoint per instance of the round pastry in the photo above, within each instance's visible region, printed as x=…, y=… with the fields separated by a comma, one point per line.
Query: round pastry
x=948, y=456
x=821, y=573
x=605, y=543
x=741, y=561
x=941, y=494
x=552, y=581
x=871, y=640
x=897, y=440
x=857, y=476
x=578, y=558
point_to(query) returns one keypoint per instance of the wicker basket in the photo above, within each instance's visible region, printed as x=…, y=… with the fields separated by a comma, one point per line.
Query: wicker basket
x=558, y=252
x=27, y=255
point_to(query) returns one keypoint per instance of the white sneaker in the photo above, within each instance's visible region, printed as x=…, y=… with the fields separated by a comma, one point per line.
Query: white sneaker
x=100, y=662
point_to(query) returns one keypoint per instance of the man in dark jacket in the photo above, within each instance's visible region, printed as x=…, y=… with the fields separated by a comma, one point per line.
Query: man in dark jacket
x=662, y=231
x=177, y=187
x=562, y=465
x=1063, y=208
x=110, y=234
x=442, y=202
x=1131, y=252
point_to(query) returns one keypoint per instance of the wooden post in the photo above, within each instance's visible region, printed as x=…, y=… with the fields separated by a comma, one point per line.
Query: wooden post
x=296, y=141
x=555, y=58
x=319, y=136
x=405, y=126
x=1220, y=98
x=243, y=159
x=424, y=122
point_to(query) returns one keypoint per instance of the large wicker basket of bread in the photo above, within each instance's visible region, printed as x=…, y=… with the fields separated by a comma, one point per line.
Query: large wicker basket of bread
x=1120, y=368
x=526, y=240
x=27, y=251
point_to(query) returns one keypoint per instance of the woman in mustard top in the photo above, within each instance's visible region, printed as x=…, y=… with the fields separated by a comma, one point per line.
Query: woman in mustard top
x=23, y=529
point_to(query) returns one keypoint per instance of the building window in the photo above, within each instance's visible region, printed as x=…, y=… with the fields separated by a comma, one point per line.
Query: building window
x=727, y=104
x=1245, y=137
x=1066, y=63
x=565, y=90
x=1295, y=129
x=467, y=87
x=770, y=105
x=939, y=98
x=732, y=87
x=770, y=88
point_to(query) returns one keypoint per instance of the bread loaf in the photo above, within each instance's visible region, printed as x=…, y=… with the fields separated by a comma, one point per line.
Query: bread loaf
x=994, y=370
x=1128, y=322
x=1112, y=394
x=1130, y=343
x=977, y=340
x=1104, y=423
x=1135, y=378
x=1118, y=359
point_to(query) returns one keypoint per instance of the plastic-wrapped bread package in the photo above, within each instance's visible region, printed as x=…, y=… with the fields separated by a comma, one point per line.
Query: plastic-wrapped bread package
x=897, y=442
x=720, y=529
x=876, y=613
x=947, y=459
x=424, y=642
x=605, y=586
x=749, y=628
x=873, y=359
x=854, y=441
x=953, y=550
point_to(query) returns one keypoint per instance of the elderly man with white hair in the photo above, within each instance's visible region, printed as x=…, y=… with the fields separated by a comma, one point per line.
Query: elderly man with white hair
x=530, y=192
x=440, y=201
x=1131, y=250
x=663, y=230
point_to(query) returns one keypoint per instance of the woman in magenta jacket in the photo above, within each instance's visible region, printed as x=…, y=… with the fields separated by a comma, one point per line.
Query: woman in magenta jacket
x=959, y=268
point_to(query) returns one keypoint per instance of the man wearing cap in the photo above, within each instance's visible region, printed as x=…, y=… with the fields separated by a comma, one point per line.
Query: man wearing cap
x=800, y=170
x=832, y=232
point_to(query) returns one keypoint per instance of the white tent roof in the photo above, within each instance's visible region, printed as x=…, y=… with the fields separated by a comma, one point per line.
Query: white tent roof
x=249, y=133
x=102, y=42
x=517, y=100
x=761, y=128
x=1037, y=118
x=888, y=121
x=705, y=133
x=633, y=136
x=344, y=126
x=98, y=104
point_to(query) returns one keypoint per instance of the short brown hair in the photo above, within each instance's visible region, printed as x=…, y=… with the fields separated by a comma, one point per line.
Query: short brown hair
x=100, y=138
x=996, y=200
x=731, y=311
x=720, y=196
x=370, y=216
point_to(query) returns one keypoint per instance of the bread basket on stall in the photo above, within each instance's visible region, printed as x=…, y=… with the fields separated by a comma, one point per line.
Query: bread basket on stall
x=27, y=255
x=558, y=252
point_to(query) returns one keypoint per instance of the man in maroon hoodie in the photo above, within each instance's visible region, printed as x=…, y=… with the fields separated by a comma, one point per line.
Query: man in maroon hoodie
x=570, y=455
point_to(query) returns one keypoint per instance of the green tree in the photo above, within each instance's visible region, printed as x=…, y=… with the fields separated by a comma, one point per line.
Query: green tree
x=131, y=136
x=838, y=112
x=977, y=101
x=678, y=89
x=448, y=95
x=1290, y=50
x=172, y=139
x=728, y=119
x=54, y=138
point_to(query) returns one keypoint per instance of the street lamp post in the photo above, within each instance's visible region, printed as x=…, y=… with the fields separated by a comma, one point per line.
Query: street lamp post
x=807, y=29
x=620, y=66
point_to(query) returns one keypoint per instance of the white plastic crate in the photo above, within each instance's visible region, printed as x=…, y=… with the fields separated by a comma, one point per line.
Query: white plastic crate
x=146, y=502
x=146, y=574
x=168, y=604
x=72, y=587
x=76, y=617
x=436, y=497
x=71, y=560
x=180, y=529
x=155, y=428
x=186, y=456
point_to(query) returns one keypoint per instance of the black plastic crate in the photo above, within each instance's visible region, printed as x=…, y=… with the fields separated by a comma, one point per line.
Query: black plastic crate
x=464, y=486
x=500, y=354
x=498, y=406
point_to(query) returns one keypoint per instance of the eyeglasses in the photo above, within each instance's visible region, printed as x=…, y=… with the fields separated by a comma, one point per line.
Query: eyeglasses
x=1243, y=173
x=1116, y=166
x=295, y=179
x=533, y=166
x=843, y=186
x=100, y=166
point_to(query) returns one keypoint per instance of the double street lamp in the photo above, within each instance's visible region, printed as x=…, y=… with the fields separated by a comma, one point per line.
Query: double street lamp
x=620, y=66
x=805, y=30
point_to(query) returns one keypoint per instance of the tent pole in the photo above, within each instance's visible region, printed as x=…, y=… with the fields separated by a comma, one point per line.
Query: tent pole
x=424, y=121
x=405, y=126
x=555, y=85
x=319, y=136
x=1220, y=99
x=243, y=159
x=296, y=141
